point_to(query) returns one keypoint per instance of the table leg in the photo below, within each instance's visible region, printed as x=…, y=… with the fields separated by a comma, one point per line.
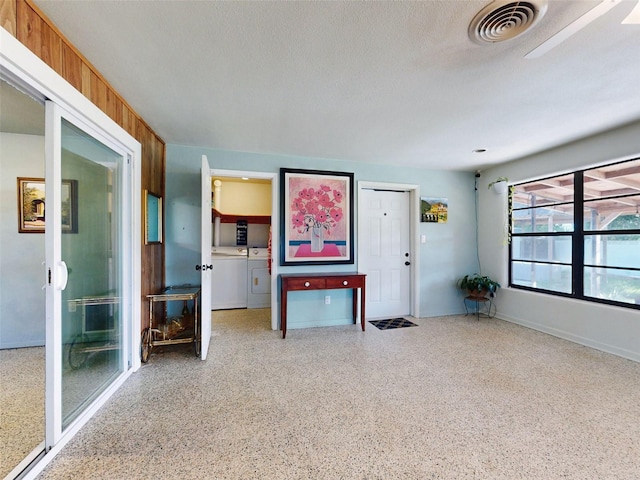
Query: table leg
x=362, y=304
x=354, y=303
x=283, y=312
x=150, y=314
x=195, y=325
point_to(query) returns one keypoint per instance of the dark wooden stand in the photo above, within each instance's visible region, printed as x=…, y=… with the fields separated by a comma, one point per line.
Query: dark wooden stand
x=322, y=281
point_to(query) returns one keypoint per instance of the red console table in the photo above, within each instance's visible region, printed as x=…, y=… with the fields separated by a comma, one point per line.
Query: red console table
x=321, y=281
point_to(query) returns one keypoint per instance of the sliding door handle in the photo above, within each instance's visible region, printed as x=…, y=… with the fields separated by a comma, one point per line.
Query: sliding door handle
x=63, y=276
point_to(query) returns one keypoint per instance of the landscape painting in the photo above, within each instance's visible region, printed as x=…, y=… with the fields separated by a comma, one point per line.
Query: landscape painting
x=434, y=209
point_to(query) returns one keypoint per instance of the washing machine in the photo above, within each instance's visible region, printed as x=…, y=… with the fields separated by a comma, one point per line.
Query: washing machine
x=229, y=279
x=258, y=278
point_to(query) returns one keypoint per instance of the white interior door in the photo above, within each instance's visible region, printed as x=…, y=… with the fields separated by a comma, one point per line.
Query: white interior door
x=205, y=260
x=385, y=251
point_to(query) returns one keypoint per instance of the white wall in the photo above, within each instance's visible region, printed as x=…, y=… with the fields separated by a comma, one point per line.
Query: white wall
x=611, y=329
x=22, y=300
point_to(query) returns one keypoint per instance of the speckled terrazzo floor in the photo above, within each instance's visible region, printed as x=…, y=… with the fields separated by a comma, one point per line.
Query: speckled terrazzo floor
x=21, y=404
x=453, y=398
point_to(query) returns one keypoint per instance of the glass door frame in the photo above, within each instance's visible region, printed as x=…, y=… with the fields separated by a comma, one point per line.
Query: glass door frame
x=20, y=66
x=56, y=270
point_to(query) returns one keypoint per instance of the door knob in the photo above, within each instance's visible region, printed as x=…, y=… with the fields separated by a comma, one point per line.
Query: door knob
x=407, y=263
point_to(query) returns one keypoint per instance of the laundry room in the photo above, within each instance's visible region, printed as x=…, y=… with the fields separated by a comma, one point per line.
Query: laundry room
x=241, y=222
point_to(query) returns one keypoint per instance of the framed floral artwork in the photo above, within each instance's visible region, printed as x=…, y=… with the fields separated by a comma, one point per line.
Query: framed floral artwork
x=316, y=217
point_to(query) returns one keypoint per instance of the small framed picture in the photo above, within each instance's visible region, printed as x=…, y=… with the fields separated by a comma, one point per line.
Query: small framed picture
x=434, y=209
x=32, y=203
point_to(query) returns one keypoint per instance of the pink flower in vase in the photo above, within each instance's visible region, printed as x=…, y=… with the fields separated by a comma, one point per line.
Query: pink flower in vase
x=312, y=207
x=336, y=214
x=316, y=208
x=321, y=218
x=297, y=205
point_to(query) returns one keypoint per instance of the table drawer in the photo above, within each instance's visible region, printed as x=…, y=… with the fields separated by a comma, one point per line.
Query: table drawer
x=344, y=282
x=306, y=283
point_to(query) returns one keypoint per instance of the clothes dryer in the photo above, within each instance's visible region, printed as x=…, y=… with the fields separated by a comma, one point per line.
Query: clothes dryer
x=258, y=278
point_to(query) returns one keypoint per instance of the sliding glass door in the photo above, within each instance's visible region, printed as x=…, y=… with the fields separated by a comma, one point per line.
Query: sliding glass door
x=76, y=177
x=87, y=258
x=91, y=229
x=22, y=301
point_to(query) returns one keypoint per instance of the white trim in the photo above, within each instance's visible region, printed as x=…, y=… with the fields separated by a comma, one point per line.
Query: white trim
x=275, y=230
x=53, y=329
x=414, y=231
x=243, y=173
x=18, y=63
x=24, y=464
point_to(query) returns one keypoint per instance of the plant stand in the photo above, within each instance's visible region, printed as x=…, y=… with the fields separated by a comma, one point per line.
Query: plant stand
x=489, y=309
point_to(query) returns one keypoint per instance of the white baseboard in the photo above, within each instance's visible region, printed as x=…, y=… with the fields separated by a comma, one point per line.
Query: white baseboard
x=587, y=342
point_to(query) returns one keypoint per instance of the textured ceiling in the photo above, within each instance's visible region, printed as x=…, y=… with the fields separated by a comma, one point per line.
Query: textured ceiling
x=386, y=82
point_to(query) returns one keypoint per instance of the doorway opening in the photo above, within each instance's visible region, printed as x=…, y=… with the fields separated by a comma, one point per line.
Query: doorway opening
x=244, y=224
x=22, y=307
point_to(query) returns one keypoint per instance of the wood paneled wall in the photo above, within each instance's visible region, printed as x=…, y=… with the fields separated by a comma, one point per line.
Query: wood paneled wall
x=32, y=28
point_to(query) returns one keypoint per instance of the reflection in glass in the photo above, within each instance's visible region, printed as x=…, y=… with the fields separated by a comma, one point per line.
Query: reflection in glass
x=617, y=213
x=91, y=317
x=548, y=191
x=543, y=249
x=612, y=284
x=556, y=278
x=614, y=180
x=622, y=251
x=544, y=219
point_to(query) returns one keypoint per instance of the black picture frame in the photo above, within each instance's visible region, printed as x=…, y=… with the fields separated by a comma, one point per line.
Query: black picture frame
x=316, y=217
x=32, y=202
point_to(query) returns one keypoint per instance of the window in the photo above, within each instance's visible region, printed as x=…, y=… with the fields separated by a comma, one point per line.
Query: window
x=578, y=234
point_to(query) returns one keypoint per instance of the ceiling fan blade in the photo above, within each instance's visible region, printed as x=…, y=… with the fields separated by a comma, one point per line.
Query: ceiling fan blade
x=573, y=28
x=634, y=17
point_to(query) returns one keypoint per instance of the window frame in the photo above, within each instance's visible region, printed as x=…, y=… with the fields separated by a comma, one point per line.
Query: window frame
x=578, y=236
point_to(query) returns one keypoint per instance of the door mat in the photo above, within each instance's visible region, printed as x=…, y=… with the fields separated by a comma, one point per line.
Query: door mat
x=390, y=323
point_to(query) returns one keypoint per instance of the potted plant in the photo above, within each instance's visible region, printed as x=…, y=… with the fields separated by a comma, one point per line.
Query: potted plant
x=499, y=185
x=478, y=286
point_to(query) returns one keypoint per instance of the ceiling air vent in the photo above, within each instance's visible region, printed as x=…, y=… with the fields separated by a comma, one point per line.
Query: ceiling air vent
x=503, y=20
